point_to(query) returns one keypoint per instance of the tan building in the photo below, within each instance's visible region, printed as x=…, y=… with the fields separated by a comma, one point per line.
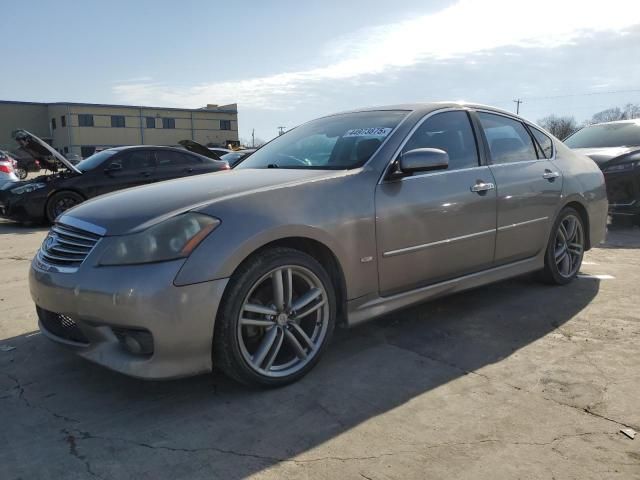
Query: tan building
x=82, y=127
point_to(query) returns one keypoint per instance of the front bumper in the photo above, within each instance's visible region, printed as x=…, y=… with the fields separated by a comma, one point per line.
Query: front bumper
x=22, y=208
x=103, y=302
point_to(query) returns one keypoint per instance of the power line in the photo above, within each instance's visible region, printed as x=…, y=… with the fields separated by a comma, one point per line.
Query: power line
x=636, y=90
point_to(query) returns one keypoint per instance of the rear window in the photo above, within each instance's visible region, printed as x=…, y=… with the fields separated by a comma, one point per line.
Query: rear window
x=544, y=142
x=606, y=135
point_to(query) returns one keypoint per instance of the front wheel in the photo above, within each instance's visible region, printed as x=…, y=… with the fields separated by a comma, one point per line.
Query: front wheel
x=276, y=319
x=61, y=202
x=565, y=249
x=21, y=173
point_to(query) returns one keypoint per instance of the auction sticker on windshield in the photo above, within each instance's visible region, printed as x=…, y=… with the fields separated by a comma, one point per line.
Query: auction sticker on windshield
x=368, y=132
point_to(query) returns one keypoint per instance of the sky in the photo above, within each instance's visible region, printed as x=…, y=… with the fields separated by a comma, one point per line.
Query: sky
x=285, y=62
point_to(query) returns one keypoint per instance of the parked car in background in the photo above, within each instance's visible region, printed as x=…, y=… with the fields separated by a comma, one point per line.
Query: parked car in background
x=46, y=197
x=615, y=147
x=339, y=220
x=200, y=149
x=26, y=165
x=233, y=158
x=7, y=169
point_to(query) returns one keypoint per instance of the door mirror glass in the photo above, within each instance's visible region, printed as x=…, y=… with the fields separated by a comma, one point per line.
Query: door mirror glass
x=423, y=160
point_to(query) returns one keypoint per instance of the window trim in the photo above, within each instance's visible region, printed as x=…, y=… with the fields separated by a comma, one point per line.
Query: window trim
x=385, y=177
x=537, y=143
x=524, y=123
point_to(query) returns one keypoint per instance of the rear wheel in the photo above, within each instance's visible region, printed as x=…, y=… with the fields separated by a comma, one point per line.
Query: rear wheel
x=61, y=202
x=276, y=319
x=21, y=173
x=565, y=249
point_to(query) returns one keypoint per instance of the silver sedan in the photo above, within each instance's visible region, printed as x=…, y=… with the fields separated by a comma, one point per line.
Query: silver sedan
x=343, y=219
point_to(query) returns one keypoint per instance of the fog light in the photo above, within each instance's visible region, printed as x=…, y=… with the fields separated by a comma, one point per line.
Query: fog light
x=137, y=342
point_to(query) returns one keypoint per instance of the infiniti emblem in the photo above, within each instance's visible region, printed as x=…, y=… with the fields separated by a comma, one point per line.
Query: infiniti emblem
x=49, y=242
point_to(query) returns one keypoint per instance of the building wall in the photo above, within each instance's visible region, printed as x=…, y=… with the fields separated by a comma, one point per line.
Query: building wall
x=202, y=125
x=27, y=116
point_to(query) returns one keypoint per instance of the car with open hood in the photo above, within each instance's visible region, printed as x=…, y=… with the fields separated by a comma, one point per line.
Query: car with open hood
x=340, y=220
x=47, y=196
x=615, y=147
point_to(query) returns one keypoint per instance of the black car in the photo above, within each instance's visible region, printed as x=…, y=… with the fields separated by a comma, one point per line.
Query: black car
x=46, y=197
x=615, y=147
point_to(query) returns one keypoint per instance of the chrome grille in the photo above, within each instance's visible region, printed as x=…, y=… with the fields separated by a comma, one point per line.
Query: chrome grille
x=67, y=246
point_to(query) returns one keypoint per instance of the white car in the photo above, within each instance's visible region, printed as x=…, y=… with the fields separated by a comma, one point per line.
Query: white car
x=7, y=169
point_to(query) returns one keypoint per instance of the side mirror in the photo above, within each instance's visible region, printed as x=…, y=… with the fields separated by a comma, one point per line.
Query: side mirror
x=423, y=160
x=114, y=167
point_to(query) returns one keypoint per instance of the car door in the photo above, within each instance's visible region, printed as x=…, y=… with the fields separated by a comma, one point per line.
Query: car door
x=124, y=170
x=529, y=186
x=175, y=164
x=434, y=226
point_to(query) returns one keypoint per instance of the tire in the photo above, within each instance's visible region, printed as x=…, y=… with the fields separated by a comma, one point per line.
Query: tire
x=563, y=258
x=21, y=173
x=60, y=202
x=258, y=350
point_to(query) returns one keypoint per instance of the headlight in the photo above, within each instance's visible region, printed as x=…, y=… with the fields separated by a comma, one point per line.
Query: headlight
x=168, y=240
x=30, y=187
x=622, y=167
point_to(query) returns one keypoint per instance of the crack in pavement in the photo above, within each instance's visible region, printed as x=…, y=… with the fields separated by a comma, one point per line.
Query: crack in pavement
x=585, y=410
x=73, y=451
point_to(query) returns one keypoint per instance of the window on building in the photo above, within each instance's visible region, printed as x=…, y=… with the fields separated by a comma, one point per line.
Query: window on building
x=63, y=121
x=66, y=149
x=225, y=124
x=168, y=123
x=508, y=140
x=53, y=123
x=117, y=121
x=85, y=120
x=151, y=122
x=87, y=151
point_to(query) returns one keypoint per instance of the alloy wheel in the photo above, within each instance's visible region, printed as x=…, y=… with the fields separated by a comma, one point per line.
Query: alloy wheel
x=64, y=204
x=569, y=246
x=283, y=321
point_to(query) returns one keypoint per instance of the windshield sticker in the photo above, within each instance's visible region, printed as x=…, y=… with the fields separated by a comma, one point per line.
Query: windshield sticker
x=368, y=132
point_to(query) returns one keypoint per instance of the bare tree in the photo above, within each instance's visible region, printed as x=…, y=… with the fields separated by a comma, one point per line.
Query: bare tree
x=560, y=127
x=631, y=110
x=608, y=115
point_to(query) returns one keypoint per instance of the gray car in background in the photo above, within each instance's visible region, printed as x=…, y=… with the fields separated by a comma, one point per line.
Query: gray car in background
x=338, y=221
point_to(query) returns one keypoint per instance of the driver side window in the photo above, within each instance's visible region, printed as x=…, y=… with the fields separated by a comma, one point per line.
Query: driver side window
x=133, y=160
x=451, y=132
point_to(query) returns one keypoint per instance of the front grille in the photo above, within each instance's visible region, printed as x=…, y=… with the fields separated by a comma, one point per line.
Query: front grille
x=67, y=246
x=61, y=326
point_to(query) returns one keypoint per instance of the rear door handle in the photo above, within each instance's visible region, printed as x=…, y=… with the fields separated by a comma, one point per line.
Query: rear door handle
x=482, y=187
x=188, y=170
x=549, y=175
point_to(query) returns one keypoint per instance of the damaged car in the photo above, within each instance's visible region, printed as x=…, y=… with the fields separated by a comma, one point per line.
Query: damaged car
x=45, y=197
x=615, y=147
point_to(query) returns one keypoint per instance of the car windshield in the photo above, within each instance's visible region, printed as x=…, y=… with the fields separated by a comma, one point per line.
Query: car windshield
x=332, y=143
x=606, y=135
x=94, y=160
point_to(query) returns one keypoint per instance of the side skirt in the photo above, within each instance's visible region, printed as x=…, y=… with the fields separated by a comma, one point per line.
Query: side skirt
x=371, y=306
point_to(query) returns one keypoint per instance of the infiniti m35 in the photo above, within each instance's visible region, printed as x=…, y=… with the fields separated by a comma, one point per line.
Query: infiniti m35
x=340, y=220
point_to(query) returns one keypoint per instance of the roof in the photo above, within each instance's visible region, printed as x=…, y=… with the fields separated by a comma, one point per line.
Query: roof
x=232, y=108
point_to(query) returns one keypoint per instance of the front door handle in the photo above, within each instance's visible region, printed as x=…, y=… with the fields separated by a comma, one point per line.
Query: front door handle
x=549, y=175
x=482, y=187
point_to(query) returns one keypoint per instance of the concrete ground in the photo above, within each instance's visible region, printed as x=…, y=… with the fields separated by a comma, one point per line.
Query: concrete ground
x=513, y=380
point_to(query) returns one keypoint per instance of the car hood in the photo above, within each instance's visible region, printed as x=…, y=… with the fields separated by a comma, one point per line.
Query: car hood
x=32, y=143
x=604, y=155
x=138, y=208
x=195, y=147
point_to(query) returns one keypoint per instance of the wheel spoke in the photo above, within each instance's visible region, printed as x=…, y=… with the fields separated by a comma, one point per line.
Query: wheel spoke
x=275, y=350
x=255, y=322
x=295, y=344
x=288, y=283
x=305, y=299
x=572, y=228
x=560, y=252
x=561, y=262
x=278, y=289
x=563, y=232
x=300, y=315
x=262, y=310
x=303, y=335
x=575, y=248
x=266, y=344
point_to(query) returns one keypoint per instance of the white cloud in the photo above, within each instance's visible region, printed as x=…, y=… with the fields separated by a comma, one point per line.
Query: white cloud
x=468, y=26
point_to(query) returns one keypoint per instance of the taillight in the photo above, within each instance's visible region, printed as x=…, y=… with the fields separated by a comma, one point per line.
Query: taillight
x=6, y=168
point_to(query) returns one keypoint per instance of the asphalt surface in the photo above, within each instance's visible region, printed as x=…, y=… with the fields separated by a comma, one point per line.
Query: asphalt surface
x=512, y=380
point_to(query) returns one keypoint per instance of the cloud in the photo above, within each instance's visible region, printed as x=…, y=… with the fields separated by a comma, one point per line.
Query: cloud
x=466, y=27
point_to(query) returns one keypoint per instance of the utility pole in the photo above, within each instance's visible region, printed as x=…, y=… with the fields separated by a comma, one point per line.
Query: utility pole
x=517, y=102
x=253, y=138
x=281, y=130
